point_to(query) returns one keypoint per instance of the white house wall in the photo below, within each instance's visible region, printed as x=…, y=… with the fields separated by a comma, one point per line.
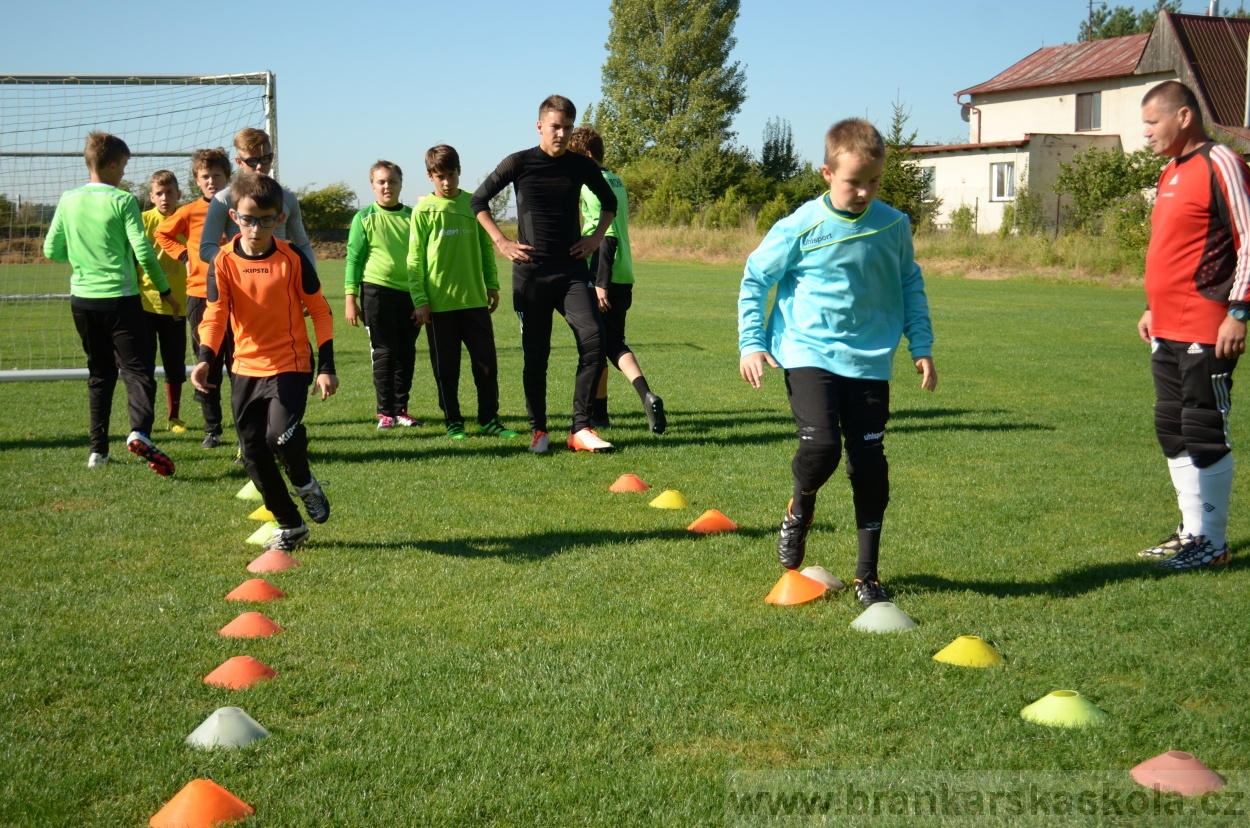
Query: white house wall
x=1010, y=115
x=963, y=177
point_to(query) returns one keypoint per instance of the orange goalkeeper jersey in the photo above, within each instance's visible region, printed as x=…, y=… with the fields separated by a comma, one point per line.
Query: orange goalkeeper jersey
x=263, y=298
x=188, y=222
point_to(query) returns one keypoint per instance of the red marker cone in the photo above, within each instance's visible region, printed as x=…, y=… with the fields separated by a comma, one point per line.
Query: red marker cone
x=794, y=588
x=250, y=625
x=239, y=673
x=629, y=483
x=711, y=522
x=275, y=560
x=1177, y=772
x=257, y=589
x=202, y=803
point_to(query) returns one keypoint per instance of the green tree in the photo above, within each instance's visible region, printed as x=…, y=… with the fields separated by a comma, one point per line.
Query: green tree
x=778, y=160
x=668, y=85
x=1123, y=20
x=903, y=182
x=330, y=208
x=1096, y=178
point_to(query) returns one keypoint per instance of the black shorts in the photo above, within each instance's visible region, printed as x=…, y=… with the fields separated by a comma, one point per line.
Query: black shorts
x=620, y=300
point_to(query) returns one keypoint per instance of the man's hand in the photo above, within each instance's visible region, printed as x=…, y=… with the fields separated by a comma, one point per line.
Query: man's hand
x=513, y=251
x=1143, y=327
x=325, y=385
x=928, y=374
x=602, y=293
x=352, y=312
x=199, y=378
x=1230, y=342
x=751, y=367
x=172, y=303
x=420, y=315
x=492, y=299
x=585, y=247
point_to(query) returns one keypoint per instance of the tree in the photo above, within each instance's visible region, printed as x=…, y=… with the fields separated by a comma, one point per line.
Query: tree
x=1096, y=178
x=778, y=160
x=903, y=182
x=330, y=208
x=1123, y=20
x=668, y=86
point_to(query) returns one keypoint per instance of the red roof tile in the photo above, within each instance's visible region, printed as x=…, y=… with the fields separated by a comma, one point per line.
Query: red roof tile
x=1051, y=65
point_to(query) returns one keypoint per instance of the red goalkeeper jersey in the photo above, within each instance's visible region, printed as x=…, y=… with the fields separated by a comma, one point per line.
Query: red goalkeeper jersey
x=1198, y=262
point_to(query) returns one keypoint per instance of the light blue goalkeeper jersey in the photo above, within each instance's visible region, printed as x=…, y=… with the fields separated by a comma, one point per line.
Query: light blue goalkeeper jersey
x=848, y=289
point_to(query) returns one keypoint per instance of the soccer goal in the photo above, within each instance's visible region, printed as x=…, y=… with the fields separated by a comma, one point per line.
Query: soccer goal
x=44, y=121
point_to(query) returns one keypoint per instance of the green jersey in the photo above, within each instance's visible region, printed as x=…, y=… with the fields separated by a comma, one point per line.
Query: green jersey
x=623, y=267
x=98, y=229
x=377, y=248
x=451, y=260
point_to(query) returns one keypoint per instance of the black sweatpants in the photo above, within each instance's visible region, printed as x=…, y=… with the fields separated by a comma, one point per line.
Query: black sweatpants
x=210, y=401
x=1193, y=394
x=167, y=337
x=392, y=344
x=268, y=414
x=537, y=291
x=114, y=337
x=620, y=300
x=472, y=328
x=832, y=410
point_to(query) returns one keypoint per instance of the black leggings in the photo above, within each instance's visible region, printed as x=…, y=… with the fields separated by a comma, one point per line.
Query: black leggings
x=210, y=400
x=268, y=414
x=392, y=344
x=472, y=328
x=115, y=341
x=167, y=337
x=535, y=295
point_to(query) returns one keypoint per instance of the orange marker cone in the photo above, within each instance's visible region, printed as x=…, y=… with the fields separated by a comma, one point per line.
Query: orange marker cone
x=629, y=483
x=202, y=803
x=794, y=588
x=250, y=625
x=712, y=522
x=1177, y=772
x=275, y=560
x=239, y=673
x=256, y=589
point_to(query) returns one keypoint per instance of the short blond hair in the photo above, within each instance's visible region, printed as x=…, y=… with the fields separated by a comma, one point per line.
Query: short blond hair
x=164, y=178
x=389, y=166
x=853, y=136
x=103, y=149
x=250, y=139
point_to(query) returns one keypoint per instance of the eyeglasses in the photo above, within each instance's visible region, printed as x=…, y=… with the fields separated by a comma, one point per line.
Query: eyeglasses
x=257, y=161
x=252, y=221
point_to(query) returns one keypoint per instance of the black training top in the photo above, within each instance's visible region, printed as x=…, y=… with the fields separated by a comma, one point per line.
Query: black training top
x=548, y=199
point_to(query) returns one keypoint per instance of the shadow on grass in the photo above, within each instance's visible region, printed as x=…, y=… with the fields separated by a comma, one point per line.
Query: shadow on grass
x=538, y=546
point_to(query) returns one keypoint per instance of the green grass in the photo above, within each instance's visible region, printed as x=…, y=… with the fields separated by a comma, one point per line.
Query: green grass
x=482, y=636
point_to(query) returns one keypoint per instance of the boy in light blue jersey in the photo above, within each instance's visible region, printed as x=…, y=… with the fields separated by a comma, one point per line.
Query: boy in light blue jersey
x=848, y=289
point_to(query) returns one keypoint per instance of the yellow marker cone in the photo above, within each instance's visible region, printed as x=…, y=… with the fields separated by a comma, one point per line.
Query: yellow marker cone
x=1064, y=708
x=263, y=533
x=671, y=499
x=249, y=492
x=261, y=514
x=969, y=651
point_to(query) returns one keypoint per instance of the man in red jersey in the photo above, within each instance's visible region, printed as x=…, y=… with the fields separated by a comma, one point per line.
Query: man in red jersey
x=1197, y=304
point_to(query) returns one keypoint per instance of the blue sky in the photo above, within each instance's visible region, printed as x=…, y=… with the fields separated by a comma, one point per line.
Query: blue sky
x=362, y=81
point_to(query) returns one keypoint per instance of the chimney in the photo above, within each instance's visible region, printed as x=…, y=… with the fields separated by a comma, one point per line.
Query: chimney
x=1213, y=9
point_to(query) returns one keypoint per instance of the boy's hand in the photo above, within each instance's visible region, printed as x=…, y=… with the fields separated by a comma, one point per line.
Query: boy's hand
x=751, y=366
x=199, y=378
x=928, y=374
x=602, y=293
x=492, y=299
x=1143, y=327
x=420, y=316
x=352, y=311
x=585, y=247
x=172, y=303
x=325, y=385
x=513, y=251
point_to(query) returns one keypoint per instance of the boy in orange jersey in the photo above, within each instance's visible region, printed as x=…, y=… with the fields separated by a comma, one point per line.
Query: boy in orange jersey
x=260, y=287
x=211, y=170
x=167, y=332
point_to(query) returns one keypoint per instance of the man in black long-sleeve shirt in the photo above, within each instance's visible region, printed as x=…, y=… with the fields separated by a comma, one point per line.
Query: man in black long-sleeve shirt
x=549, y=270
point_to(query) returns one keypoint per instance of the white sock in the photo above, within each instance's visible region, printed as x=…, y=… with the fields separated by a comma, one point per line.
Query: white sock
x=1216, y=485
x=1185, y=480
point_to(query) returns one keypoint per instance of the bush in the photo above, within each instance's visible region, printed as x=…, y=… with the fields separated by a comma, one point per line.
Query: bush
x=1009, y=221
x=962, y=219
x=1127, y=222
x=727, y=213
x=1096, y=178
x=771, y=213
x=330, y=208
x=1028, y=211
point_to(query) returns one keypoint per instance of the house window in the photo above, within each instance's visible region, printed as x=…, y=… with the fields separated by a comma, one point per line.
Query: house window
x=1088, y=111
x=1003, y=181
x=929, y=176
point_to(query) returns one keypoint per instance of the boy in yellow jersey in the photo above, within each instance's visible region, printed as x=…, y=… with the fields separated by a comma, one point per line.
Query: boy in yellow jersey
x=455, y=289
x=167, y=334
x=377, y=273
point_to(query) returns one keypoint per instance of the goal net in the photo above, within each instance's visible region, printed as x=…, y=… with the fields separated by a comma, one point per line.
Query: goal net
x=44, y=121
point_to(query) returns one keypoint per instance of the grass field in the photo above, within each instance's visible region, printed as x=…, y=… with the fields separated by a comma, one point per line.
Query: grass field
x=482, y=636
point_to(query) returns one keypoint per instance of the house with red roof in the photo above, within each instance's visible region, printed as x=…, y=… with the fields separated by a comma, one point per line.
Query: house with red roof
x=1028, y=119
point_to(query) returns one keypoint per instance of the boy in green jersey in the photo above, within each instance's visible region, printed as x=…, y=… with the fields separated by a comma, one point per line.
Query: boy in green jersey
x=98, y=229
x=613, y=270
x=167, y=332
x=377, y=272
x=455, y=289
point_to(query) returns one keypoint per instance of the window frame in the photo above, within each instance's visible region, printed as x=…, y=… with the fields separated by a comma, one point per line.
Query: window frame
x=930, y=184
x=1011, y=181
x=1095, y=111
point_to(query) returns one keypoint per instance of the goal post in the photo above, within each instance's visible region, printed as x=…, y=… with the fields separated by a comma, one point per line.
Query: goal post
x=44, y=121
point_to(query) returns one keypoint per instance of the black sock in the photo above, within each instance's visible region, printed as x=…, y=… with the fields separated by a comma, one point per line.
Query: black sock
x=869, y=549
x=803, y=505
x=640, y=385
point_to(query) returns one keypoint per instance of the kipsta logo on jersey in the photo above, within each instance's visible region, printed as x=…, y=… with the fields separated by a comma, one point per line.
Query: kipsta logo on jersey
x=253, y=270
